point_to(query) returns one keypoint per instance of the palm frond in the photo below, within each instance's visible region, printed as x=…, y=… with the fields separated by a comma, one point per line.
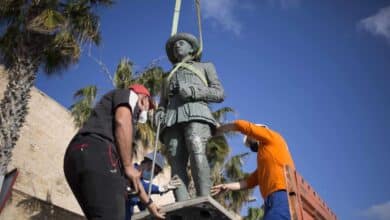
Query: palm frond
x=63, y=52
x=82, y=109
x=233, y=167
x=124, y=74
x=152, y=78
x=217, y=150
x=87, y=93
x=221, y=114
x=255, y=213
x=47, y=22
x=82, y=21
x=10, y=10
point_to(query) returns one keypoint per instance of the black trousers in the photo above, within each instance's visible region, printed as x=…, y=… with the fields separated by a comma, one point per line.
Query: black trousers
x=92, y=170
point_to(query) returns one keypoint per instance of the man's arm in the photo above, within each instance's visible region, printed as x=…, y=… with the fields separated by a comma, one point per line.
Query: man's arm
x=124, y=140
x=249, y=129
x=150, y=205
x=252, y=180
x=226, y=187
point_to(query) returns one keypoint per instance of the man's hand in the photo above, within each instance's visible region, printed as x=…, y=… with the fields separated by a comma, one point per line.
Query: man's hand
x=134, y=177
x=222, y=188
x=155, y=211
x=225, y=128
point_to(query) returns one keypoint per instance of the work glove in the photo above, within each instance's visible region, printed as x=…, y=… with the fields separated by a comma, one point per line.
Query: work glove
x=172, y=184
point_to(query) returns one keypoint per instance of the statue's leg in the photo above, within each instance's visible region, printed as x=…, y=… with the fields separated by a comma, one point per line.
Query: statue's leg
x=196, y=136
x=178, y=158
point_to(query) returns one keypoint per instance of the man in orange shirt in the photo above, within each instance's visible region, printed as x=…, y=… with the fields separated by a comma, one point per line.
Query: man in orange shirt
x=272, y=156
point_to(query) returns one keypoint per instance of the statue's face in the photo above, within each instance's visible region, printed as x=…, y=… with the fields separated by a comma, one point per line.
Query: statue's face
x=181, y=49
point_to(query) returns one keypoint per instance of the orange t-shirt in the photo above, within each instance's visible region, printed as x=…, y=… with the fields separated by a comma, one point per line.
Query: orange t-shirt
x=272, y=155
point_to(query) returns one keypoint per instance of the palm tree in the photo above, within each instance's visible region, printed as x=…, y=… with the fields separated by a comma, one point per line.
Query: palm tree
x=82, y=109
x=44, y=34
x=255, y=213
x=123, y=76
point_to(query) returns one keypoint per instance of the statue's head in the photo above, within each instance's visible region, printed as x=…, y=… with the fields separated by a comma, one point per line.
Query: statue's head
x=180, y=45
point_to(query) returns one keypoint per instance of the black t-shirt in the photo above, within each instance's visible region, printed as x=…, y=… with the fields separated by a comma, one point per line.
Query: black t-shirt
x=102, y=119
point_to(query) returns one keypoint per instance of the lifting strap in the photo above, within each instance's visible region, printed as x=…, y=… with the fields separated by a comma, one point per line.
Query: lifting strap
x=193, y=69
x=176, y=14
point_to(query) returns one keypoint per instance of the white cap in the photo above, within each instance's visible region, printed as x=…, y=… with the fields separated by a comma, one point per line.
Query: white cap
x=245, y=140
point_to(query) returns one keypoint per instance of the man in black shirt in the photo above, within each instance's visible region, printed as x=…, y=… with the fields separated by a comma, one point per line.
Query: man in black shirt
x=98, y=161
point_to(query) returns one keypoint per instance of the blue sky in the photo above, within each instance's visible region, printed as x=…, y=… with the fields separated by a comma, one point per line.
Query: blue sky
x=317, y=72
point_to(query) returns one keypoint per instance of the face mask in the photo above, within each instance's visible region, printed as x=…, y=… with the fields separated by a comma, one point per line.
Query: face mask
x=133, y=101
x=254, y=146
x=139, y=116
x=143, y=117
x=146, y=175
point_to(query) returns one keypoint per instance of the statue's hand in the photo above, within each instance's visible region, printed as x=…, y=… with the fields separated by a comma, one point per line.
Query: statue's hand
x=159, y=117
x=186, y=92
x=173, y=184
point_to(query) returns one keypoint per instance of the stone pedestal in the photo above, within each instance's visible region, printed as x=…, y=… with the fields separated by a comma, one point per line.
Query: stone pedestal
x=201, y=208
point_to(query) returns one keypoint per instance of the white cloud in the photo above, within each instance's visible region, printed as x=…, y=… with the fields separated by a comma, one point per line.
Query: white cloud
x=223, y=12
x=285, y=4
x=378, y=24
x=378, y=212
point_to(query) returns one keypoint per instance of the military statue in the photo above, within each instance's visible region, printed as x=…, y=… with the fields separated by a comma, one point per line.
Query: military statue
x=184, y=114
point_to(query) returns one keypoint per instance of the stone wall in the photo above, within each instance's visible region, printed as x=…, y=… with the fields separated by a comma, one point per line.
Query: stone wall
x=39, y=157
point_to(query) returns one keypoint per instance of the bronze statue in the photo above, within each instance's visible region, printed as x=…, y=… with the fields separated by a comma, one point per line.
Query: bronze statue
x=185, y=116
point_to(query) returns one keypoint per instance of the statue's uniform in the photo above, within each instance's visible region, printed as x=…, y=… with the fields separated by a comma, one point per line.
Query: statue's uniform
x=188, y=122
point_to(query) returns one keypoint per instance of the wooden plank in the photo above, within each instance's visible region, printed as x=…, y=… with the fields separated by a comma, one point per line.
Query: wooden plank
x=201, y=208
x=304, y=202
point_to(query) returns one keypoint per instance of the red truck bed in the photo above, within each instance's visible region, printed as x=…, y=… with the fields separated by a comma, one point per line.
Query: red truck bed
x=305, y=203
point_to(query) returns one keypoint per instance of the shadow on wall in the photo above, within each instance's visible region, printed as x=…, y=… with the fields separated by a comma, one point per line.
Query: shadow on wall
x=38, y=209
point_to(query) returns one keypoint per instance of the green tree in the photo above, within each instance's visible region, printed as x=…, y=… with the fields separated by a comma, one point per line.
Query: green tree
x=82, y=109
x=38, y=34
x=255, y=213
